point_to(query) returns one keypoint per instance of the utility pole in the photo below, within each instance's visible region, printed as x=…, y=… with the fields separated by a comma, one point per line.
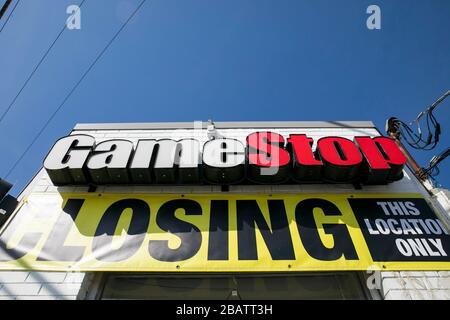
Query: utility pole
x=392, y=128
x=411, y=162
x=4, y=8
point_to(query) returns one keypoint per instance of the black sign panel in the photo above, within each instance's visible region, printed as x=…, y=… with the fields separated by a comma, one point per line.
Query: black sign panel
x=403, y=229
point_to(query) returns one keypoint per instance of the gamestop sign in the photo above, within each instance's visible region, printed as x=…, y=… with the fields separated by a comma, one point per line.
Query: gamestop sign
x=264, y=158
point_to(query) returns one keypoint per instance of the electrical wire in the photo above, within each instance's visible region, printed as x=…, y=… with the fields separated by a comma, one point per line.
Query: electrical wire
x=414, y=139
x=4, y=8
x=432, y=170
x=10, y=106
x=75, y=87
x=7, y=19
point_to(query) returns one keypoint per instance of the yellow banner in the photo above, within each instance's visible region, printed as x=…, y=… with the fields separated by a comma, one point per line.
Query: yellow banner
x=224, y=233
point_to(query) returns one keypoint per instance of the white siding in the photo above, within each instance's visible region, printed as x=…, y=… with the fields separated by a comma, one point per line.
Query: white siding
x=416, y=285
x=26, y=285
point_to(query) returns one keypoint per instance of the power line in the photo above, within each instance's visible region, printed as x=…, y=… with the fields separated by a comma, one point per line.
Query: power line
x=5, y=7
x=8, y=109
x=75, y=87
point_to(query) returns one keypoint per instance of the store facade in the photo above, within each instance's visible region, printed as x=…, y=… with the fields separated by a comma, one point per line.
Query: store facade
x=231, y=210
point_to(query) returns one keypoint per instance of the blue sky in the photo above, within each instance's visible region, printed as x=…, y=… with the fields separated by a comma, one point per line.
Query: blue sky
x=221, y=60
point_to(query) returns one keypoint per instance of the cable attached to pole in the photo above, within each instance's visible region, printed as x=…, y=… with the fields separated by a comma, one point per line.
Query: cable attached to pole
x=417, y=140
x=432, y=170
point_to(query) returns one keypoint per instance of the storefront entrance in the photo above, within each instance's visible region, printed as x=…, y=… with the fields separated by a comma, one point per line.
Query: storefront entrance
x=340, y=286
